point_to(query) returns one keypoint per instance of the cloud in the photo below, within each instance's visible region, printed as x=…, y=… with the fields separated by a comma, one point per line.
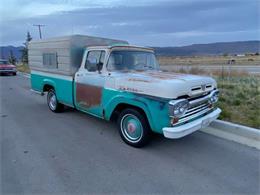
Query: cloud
x=144, y=22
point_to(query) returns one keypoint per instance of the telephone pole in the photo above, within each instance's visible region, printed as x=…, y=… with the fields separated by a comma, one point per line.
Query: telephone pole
x=40, y=30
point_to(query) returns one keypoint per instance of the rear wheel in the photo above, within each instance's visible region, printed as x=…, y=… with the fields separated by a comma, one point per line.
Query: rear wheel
x=133, y=128
x=53, y=103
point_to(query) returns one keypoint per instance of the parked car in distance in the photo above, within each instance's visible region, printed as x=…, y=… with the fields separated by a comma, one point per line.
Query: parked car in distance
x=7, y=68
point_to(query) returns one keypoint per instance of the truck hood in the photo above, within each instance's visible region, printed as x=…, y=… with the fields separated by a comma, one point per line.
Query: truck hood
x=162, y=84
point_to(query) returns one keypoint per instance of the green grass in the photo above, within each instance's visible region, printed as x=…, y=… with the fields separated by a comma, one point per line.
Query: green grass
x=23, y=68
x=240, y=99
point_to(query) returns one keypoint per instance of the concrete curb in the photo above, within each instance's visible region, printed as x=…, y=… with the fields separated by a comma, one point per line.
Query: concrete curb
x=234, y=132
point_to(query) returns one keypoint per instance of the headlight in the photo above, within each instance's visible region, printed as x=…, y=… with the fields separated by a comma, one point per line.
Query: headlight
x=178, y=107
x=214, y=97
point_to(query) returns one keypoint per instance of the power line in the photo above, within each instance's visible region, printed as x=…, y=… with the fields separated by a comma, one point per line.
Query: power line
x=40, y=30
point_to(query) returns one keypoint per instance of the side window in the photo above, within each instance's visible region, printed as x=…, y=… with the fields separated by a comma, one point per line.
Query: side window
x=50, y=60
x=95, y=60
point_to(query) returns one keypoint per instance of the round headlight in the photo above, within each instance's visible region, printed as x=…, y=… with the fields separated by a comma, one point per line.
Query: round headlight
x=214, y=97
x=178, y=108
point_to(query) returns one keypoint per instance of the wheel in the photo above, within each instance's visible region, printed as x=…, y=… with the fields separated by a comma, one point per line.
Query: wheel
x=14, y=73
x=53, y=103
x=133, y=128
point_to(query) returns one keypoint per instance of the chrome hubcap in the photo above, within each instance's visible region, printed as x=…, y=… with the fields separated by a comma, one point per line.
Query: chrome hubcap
x=52, y=101
x=131, y=128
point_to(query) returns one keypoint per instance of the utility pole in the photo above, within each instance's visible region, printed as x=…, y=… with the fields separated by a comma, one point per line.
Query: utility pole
x=40, y=30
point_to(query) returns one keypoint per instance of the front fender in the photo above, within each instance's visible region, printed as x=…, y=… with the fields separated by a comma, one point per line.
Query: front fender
x=110, y=106
x=156, y=111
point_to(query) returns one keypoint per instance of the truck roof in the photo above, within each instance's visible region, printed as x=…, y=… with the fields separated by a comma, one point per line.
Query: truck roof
x=121, y=46
x=76, y=38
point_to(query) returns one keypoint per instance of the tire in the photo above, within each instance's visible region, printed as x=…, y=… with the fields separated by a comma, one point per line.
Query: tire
x=53, y=103
x=133, y=128
x=14, y=74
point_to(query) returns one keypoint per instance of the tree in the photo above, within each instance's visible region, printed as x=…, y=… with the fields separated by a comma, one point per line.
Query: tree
x=12, y=58
x=225, y=54
x=25, y=48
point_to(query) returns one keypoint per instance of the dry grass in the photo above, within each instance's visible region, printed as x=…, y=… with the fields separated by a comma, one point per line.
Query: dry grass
x=23, y=68
x=239, y=99
x=208, y=60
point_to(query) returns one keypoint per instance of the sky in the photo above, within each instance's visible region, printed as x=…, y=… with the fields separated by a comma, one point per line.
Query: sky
x=141, y=22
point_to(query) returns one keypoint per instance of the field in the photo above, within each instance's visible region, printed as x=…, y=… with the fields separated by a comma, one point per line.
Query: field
x=239, y=99
x=209, y=60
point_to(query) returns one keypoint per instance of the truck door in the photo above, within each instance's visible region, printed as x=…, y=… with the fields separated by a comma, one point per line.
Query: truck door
x=89, y=83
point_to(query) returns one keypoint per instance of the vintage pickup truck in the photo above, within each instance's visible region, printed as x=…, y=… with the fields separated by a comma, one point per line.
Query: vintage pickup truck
x=113, y=80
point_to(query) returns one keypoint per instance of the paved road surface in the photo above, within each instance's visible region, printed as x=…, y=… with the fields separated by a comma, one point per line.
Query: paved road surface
x=43, y=152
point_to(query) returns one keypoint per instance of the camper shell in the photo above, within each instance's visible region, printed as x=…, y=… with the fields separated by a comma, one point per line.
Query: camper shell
x=63, y=55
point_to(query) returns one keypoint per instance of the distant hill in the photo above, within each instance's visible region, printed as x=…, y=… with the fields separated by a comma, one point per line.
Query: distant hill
x=240, y=47
x=5, y=52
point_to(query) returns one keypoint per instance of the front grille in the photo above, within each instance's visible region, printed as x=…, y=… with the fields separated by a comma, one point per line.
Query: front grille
x=198, y=107
x=195, y=112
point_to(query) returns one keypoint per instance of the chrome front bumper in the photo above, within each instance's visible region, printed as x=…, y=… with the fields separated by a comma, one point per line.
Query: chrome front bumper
x=190, y=127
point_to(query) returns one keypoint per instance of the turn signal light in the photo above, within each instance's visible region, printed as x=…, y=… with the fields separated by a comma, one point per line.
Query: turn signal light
x=174, y=120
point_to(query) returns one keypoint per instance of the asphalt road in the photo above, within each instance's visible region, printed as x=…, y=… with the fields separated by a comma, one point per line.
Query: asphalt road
x=71, y=152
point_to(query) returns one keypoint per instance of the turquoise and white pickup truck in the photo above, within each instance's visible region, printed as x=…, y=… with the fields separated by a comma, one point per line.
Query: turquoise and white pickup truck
x=113, y=80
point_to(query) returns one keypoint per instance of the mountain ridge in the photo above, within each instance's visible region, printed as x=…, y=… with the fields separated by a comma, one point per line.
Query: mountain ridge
x=217, y=48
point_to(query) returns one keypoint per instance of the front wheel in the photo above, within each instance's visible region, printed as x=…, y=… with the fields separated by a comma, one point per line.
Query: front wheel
x=52, y=102
x=133, y=128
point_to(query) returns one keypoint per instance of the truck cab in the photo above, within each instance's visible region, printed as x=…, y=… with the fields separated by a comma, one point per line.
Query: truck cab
x=124, y=83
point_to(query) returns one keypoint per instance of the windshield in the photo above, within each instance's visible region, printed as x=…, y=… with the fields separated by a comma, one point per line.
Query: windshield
x=3, y=62
x=132, y=60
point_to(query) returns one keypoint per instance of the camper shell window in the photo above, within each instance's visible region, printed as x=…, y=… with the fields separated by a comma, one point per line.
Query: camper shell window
x=50, y=60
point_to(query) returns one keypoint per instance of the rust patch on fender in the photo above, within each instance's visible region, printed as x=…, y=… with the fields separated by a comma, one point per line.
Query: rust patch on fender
x=88, y=95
